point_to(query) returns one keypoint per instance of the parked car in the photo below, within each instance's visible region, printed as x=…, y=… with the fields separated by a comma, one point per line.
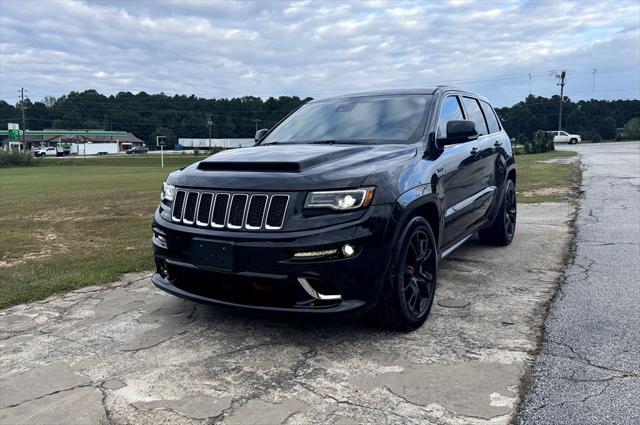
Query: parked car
x=138, y=150
x=46, y=151
x=346, y=206
x=564, y=137
x=51, y=151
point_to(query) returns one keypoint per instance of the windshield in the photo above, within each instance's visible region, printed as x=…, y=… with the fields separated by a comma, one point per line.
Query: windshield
x=393, y=118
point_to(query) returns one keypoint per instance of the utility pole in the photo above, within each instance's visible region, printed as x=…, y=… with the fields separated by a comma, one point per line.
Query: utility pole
x=530, y=83
x=595, y=71
x=209, y=124
x=24, y=121
x=256, y=121
x=561, y=76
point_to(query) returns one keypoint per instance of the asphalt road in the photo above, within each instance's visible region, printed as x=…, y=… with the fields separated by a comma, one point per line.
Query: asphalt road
x=588, y=371
x=127, y=353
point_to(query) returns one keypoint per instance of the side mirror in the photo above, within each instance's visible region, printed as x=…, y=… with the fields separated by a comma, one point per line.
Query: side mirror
x=460, y=131
x=260, y=134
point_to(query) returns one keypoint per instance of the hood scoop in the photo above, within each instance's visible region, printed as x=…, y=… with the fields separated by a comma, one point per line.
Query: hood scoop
x=277, y=159
x=256, y=166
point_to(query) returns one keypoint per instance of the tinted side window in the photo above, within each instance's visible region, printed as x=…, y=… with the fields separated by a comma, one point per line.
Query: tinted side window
x=475, y=115
x=451, y=110
x=492, y=120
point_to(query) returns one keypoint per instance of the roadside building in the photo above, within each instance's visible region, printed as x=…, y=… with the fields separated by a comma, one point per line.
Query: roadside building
x=75, y=140
x=187, y=143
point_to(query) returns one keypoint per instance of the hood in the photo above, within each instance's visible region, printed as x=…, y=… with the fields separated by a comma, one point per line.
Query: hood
x=292, y=167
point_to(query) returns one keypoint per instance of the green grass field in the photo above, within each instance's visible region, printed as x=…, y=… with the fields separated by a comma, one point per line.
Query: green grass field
x=541, y=182
x=64, y=227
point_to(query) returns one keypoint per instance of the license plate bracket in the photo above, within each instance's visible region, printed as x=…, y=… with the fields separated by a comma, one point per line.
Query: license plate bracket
x=213, y=254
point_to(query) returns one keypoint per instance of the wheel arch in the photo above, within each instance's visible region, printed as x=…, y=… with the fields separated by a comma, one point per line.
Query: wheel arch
x=428, y=211
x=420, y=201
x=511, y=175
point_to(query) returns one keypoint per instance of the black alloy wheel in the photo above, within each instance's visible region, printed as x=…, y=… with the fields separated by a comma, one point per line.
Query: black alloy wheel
x=501, y=231
x=410, y=282
x=418, y=283
x=510, y=211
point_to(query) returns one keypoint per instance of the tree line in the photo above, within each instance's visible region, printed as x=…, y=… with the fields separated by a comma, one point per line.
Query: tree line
x=591, y=119
x=148, y=115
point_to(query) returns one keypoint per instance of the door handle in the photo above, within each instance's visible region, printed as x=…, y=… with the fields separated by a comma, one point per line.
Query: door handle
x=475, y=151
x=497, y=144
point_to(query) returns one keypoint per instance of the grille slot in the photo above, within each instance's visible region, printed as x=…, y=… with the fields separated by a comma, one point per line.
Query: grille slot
x=257, y=211
x=219, y=216
x=236, y=211
x=190, y=206
x=204, y=210
x=277, y=209
x=178, y=203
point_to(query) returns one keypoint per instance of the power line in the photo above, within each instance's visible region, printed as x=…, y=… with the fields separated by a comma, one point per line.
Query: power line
x=143, y=123
x=570, y=71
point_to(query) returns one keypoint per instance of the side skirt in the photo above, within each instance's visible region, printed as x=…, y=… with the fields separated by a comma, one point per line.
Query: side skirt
x=456, y=245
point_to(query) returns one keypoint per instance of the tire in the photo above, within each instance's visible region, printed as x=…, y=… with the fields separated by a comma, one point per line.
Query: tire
x=573, y=141
x=409, y=285
x=503, y=228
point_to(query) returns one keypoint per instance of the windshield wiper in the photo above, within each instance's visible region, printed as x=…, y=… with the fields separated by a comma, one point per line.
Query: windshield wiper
x=324, y=142
x=311, y=142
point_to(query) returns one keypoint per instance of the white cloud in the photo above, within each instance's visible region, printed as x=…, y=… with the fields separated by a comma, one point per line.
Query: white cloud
x=223, y=49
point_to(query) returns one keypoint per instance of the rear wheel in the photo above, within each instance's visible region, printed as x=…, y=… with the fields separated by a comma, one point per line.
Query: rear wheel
x=504, y=226
x=410, y=283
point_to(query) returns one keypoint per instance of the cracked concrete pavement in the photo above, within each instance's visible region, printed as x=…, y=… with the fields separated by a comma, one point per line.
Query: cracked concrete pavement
x=588, y=371
x=128, y=353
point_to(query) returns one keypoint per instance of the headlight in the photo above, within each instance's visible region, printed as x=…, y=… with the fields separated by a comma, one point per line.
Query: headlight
x=340, y=200
x=168, y=191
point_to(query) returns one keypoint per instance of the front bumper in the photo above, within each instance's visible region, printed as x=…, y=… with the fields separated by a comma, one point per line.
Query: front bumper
x=265, y=274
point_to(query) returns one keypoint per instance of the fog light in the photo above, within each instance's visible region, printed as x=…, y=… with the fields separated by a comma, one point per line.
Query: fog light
x=319, y=253
x=348, y=250
x=161, y=265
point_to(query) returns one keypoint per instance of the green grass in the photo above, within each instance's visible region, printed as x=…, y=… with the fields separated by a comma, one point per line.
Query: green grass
x=64, y=227
x=540, y=182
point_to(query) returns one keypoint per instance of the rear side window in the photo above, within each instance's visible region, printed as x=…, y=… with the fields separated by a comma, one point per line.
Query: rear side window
x=475, y=114
x=451, y=110
x=492, y=120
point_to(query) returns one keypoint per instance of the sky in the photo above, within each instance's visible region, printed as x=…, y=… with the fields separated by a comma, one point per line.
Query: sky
x=502, y=50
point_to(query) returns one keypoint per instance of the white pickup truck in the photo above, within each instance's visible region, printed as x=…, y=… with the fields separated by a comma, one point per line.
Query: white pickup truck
x=50, y=151
x=564, y=137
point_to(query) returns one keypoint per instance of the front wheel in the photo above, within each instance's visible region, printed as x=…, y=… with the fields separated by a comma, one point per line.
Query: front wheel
x=573, y=141
x=410, y=283
x=504, y=226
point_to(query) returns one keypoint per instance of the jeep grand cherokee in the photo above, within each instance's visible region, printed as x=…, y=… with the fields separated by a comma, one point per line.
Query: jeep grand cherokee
x=346, y=205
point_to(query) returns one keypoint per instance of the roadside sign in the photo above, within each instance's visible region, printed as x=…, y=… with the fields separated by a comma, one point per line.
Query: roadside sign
x=161, y=141
x=14, y=131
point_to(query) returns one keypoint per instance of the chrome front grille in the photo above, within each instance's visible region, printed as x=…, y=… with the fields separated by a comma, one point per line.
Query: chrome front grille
x=230, y=210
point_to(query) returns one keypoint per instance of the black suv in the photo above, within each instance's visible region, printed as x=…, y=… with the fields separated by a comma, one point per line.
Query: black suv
x=346, y=205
